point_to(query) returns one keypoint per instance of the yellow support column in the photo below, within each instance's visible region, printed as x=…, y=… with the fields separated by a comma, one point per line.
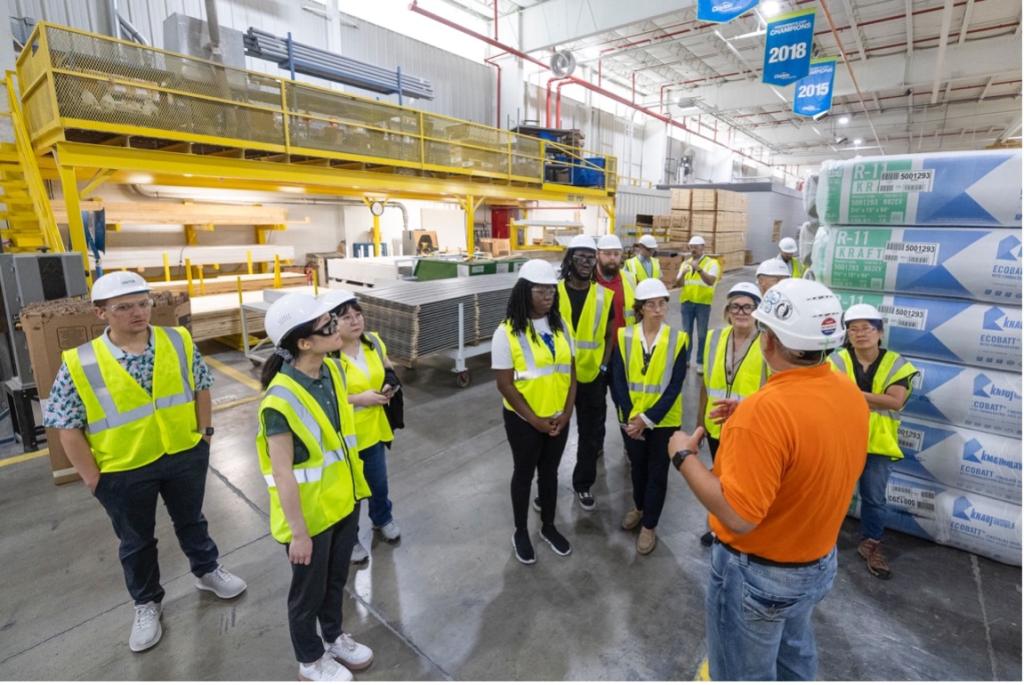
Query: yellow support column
x=167, y=268
x=609, y=209
x=188, y=276
x=470, y=207
x=248, y=259
x=376, y=236
x=76, y=228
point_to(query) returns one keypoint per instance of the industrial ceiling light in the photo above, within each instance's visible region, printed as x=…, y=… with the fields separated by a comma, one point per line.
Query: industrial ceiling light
x=844, y=120
x=770, y=8
x=858, y=141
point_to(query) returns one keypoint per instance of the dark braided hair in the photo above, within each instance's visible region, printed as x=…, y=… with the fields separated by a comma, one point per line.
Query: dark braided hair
x=566, y=268
x=518, y=310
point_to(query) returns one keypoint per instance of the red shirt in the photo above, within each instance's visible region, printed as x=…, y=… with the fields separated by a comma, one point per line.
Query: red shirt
x=619, y=302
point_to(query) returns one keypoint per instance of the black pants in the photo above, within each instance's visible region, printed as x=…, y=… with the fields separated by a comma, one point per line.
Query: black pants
x=317, y=590
x=713, y=447
x=533, y=452
x=591, y=412
x=649, y=462
x=130, y=497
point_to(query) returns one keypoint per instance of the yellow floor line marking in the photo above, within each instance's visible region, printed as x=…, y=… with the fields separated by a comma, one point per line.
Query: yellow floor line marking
x=702, y=671
x=28, y=456
x=234, y=373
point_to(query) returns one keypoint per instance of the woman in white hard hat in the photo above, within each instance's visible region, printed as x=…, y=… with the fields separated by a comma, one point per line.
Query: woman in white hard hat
x=532, y=354
x=788, y=254
x=644, y=264
x=734, y=367
x=770, y=272
x=372, y=383
x=885, y=378
x=647, y=378
x=307, y=447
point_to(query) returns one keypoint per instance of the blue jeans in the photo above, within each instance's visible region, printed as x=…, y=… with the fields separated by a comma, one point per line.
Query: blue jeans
x=375, y=470
x=699, y=314
x=873, y=509
x=758, y=618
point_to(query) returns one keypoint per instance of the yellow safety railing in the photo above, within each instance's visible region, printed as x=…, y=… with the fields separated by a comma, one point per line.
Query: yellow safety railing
x=91, y=86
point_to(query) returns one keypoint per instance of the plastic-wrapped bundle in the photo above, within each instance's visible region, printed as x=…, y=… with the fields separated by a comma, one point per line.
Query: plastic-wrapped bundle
x=962, y=458
x=948, y=516
x=811, y=196
x=967, y=397
x=947, y=330
x=934, y=189
x=976, y=264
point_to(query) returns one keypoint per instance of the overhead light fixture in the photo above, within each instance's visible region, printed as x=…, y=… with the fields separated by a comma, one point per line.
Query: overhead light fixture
x=844, y=120
x=858, y=141
x=140, y=178
x=770, y=8
x=291, y=189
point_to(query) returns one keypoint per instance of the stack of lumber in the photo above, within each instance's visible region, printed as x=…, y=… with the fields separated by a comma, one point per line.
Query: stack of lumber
x=229, y=284
x=720, y=217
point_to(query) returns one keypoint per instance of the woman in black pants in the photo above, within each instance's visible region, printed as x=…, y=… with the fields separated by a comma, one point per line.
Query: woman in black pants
x=648, y=371
x=533, y=356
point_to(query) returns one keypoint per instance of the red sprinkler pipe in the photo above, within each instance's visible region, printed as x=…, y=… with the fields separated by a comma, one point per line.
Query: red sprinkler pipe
x=547, y=100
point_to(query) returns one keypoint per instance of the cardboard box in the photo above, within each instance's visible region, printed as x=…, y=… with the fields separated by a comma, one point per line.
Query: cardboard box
x=727, y=242
x=680, y=198
x=57, y=325
x=717, y=200
x=669, y=267
x=496, y=247
x=707, y=223
x=732, y=260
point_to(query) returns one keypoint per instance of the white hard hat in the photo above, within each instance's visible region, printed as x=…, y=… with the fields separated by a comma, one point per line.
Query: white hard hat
x=538, y=272
x=803, y=315
x=118, y=283
x=336, y=297
x=788, y=245
x=290, y=312
x=862, y=312
x=747, y=289
x=697, y=240
x=773, y=267
x=648, y=241
x=582, y=242
x=650, y=288
x=609, y=242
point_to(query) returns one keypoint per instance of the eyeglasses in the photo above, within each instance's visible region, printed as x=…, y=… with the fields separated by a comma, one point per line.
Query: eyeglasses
x=328, y=329
x=544, y=290
x=741, y=308
x=860, y=330
x=584, y=257
x=125, y=307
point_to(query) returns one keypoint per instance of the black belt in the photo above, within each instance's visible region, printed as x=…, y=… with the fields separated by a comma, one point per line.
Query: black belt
x=769, y=562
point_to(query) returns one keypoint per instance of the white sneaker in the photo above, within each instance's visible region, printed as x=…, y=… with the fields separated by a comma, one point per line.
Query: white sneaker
x=700, y=370
x=324, y=669
x=146, y=629
x=390, y=531
x=349, y=652
x=359, y=553
x=222, y=583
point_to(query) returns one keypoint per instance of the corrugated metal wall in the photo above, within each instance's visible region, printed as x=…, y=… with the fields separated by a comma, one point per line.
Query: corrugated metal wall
x=630, y=201
x=463, y=89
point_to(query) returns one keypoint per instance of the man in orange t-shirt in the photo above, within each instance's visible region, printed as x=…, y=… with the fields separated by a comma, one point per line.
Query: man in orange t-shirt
x=789, y=458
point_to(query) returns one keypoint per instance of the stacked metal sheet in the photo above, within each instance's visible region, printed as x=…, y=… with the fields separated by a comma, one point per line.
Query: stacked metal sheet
x=417, y=319
x=333, y=67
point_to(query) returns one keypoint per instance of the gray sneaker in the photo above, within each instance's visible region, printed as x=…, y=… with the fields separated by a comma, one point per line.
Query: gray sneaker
x=359, y=553
x=222, y=583
x=390, y=531
x=146, y=629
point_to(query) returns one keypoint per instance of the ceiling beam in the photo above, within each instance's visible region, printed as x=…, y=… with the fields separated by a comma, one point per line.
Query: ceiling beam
x=968, y=12
x=910, y=27
x=557, y=22
x=855, y=29
x=988, y=85
x=940, y=59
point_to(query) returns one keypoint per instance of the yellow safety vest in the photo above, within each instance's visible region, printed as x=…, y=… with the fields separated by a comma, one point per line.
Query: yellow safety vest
x=646, y=388
x=795, y=267
x=748, y=378
x=636, y=268
x=371, y=422
x=541, y=378
x=589, y=334
x=694, y=288
x=126, y=427
x=331, y=480
x=628, y=297
x=883, y=425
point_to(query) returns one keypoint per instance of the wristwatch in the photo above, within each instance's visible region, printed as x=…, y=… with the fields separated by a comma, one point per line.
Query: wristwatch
x=208, y=432
x=679, y=457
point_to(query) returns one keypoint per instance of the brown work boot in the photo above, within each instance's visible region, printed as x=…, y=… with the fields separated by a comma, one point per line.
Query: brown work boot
x=871, y=552
x=646, y=541
x=632, y=519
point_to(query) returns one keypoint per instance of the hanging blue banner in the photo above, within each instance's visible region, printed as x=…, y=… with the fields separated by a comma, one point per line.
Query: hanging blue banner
x=813, y=93
x=787, y=48
x=722, y=11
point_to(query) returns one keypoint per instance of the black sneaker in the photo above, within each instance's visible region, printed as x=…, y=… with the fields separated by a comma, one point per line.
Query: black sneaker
x=707, y=539
x=585, y=500
x=557, y=541
x=536, y=504
x=523, y=547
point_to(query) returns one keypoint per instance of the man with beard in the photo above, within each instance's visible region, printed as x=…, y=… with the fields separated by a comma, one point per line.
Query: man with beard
x=587, y=310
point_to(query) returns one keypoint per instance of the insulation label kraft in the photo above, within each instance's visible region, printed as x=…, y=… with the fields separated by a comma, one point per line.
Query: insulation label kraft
x=968, y=397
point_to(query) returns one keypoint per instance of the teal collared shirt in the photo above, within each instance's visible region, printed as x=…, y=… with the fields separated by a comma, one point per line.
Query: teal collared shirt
x=322, y=390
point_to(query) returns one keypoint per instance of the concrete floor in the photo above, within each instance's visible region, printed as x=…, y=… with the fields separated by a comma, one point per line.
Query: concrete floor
x=450, y=601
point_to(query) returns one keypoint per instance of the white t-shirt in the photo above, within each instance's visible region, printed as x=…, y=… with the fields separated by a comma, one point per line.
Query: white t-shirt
x=501, y=349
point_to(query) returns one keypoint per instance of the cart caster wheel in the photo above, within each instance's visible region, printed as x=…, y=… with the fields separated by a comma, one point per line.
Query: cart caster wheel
x=462, y=379
x=256, y=363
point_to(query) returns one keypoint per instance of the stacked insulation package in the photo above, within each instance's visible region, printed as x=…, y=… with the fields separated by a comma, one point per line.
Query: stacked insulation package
x=934, y=242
